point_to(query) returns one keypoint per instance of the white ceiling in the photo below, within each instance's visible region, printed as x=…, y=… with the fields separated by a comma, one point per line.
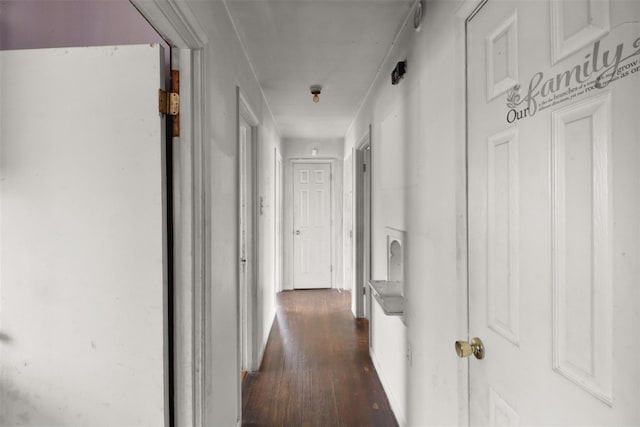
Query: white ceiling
x=338, y=44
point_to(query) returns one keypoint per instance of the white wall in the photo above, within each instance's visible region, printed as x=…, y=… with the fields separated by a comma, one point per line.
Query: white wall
x=62, y=23
x=269, y=142
x=388, y=339
x=227, y=68
x=300, y=149
x=415, y=137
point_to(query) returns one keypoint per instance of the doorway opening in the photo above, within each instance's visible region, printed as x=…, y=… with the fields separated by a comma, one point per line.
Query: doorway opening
x=362, y=224
x=248, y=232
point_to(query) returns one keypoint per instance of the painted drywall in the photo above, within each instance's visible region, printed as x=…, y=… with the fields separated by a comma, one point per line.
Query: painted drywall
x=388, y=339
x=416, y=188
x=301, y=148
x=38, y=24
x=226, y=68
x=269, y=145
x=327, y=149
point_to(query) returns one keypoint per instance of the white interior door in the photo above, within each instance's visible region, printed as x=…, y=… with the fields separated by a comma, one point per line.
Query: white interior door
x=82, y=237
x=312, y=225
x=554, y=216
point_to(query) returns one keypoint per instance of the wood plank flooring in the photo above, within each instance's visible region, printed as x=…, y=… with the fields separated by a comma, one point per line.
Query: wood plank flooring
x=316, y=369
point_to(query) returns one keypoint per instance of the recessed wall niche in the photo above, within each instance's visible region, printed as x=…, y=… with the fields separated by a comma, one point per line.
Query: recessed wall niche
x=395, y=254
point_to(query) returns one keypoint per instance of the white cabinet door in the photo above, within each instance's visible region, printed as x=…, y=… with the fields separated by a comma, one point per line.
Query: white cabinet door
x=554, y=212
x=82, y=237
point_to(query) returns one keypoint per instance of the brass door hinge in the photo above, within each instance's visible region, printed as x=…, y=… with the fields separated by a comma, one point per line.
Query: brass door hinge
x=169, y=103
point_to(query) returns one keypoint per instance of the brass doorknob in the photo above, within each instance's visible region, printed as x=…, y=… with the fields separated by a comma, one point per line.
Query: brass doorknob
x=466, y=349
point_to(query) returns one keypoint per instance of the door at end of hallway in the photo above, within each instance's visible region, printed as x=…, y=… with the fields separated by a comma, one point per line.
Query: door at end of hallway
x=312, y=225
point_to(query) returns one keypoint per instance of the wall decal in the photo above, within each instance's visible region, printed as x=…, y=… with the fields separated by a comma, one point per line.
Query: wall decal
x=612, y=58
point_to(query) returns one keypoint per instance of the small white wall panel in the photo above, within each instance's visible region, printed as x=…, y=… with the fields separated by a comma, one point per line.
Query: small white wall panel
x=575, y=24
x=502, y=58
x=388, y=353
x=582, y=276
x=502, y=213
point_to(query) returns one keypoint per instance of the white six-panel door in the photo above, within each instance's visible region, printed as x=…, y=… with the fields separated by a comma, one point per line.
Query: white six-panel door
x=82, y=237
x=554, y=220
x=312, y=225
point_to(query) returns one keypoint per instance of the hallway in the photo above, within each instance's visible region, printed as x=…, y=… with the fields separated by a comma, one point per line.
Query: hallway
x=457, y=179
x=316, y=368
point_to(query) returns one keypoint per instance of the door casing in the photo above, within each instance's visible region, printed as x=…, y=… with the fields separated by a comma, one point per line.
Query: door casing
x=362, y=224
x=247, y=295
x=179, y=27
x=466, y=10
x=277, y=222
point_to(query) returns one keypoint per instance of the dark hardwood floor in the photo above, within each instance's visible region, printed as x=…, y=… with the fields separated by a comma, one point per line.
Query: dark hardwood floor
x=316, y=369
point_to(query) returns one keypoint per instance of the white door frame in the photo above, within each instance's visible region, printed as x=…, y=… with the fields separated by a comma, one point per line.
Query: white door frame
x=277, y=222
x=178, y=25
x=466, y=10
x=247, y=296
x=290, y=226
x=361, y=212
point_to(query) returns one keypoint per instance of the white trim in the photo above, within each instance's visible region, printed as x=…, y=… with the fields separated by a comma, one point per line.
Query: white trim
x=245, y=109
x=250, y=308
x=175, y=21
x=178, y=25
x=200, y=231
x=466, y=9
x=278, y=223
x=362, y=233
x=396, y=408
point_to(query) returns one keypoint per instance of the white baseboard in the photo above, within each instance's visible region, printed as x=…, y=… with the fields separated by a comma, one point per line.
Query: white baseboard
x=398, y=411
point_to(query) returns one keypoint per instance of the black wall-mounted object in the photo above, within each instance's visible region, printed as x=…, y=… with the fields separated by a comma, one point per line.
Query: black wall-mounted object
x=398, y=73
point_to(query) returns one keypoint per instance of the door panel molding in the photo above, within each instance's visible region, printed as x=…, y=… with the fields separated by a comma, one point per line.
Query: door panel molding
x=503, y=272
x=583, y=297
x=565, y=40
